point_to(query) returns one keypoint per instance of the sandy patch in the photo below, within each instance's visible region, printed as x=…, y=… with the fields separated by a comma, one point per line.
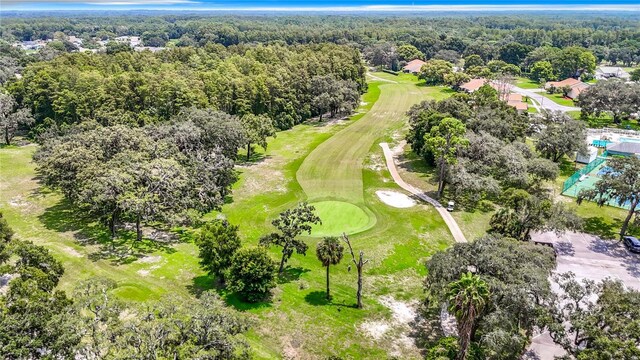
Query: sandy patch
x=375, y=329
x=146, y=272
x=395, y=199
x=18, y=201
x=375, y=163
x=150, y=259
x=71, y=251
x=143, y=272
x=402, y=312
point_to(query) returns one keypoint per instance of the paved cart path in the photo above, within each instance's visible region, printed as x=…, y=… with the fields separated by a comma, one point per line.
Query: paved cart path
x=448, y=219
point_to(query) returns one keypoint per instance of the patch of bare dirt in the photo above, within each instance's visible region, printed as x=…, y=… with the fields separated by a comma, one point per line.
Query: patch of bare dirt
x=375, y=329
x=150, y=259
x=71, y=251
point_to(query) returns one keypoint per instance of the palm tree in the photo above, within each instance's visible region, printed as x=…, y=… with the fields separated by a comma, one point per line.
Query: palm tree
x=329, y=252
x=467, y=298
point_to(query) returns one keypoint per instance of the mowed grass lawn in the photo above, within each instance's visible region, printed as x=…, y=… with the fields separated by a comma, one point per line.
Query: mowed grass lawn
x=558, y=99
x=526, y=83
x=297, y=322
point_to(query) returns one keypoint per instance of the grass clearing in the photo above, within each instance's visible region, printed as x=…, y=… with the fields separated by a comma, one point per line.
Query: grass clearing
x=558, y=99
x=605, y=120
x=526, y=83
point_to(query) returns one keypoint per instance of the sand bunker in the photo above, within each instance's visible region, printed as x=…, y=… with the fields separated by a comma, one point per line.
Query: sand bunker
x=395, y=199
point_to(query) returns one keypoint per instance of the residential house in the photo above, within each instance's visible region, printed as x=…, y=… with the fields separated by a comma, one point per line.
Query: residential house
x=608, y=72
x=576, y=86
x=413, y=66
x=473, y=85
x=515, y=100
x=511, y=99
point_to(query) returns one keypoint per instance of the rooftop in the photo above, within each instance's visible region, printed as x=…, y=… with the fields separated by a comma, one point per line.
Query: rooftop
x=414, y=66
x=625, y=147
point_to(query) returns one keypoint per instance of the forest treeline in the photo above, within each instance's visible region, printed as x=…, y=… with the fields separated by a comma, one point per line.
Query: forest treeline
x=288, y=84
x=608, y=37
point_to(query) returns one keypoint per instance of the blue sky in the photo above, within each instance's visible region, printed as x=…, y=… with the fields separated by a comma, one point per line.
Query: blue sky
x=363, y=5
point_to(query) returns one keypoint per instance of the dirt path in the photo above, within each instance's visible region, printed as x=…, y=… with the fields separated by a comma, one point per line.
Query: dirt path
x=448, y=219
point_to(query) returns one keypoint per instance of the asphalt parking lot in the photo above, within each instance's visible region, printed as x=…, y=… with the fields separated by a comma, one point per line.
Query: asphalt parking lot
x=589, y=257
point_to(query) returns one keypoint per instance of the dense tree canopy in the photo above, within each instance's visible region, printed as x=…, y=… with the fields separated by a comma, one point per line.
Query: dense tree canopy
x=613, y=96
x=496, y=157
x=155, y=173
x=562, y=135
x=604, y=319
x=139, y=88
x=516, y=274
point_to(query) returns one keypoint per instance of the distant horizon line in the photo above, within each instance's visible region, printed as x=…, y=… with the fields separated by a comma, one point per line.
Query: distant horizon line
x=134, y=5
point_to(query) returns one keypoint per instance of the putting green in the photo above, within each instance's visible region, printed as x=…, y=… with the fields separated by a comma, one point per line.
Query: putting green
x=338, y=217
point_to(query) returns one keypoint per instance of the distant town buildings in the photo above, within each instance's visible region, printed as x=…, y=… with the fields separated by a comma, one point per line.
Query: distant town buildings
x=134, y=41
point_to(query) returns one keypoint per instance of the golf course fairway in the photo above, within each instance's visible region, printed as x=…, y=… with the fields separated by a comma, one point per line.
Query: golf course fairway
x=333, y=170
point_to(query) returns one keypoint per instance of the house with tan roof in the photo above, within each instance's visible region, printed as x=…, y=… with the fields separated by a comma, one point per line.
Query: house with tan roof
x=413, y=66
x=473, y=85
x=577, y=86
x=512, y=99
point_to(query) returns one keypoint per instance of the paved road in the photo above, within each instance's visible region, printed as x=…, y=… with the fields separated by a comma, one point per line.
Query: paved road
x=544, y=102
x=448, y=219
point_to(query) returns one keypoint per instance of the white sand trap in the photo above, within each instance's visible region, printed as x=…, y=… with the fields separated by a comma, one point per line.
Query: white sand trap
x=395, y=199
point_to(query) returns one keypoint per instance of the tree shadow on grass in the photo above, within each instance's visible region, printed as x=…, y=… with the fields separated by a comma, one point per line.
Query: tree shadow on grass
x=567, y=167
x=255, y=159
x=234, y=300
x=291, y=274
x=597, y=226
x=319, y=298
x=202, y=283
x=124, y=249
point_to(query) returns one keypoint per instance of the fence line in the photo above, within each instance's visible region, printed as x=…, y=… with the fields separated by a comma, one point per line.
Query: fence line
x=612, y=130
x=573, y=179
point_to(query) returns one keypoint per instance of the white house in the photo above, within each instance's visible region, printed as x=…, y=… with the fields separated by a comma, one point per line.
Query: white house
x=607, y=72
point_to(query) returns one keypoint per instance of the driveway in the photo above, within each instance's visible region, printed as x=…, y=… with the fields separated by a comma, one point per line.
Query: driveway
x=543, y=102
x=589, y=257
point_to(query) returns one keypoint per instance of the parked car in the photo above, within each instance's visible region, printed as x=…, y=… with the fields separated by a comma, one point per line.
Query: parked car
x=451, y=205
x=632, y=244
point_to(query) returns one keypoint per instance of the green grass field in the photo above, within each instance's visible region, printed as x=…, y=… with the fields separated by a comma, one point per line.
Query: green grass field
x=526, y=83
x=558, y=99
x=297, y=322
x=606, y=120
